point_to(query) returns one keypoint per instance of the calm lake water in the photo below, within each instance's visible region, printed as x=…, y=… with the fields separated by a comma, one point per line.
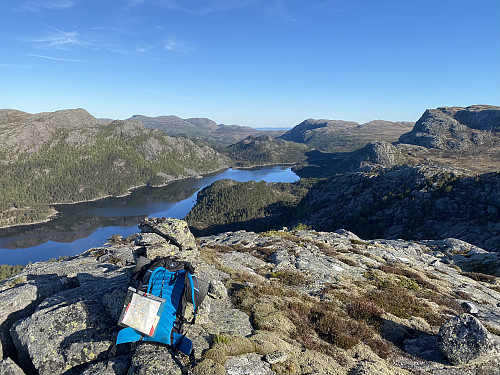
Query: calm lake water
x=82, y=226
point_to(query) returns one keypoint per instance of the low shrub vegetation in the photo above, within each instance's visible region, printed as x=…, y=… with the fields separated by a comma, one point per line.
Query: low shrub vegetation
x=291, y=278
x=7, y=271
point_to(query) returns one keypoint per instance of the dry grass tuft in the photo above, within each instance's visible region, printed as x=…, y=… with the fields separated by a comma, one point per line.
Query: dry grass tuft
x=480, y=277
x=290, y=277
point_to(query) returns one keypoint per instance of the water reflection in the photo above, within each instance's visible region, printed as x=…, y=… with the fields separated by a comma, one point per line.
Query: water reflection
x=84, y=225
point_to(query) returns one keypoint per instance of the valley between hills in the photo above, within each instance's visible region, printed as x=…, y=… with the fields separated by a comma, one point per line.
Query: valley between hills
x=435, y=178
x=384, y=258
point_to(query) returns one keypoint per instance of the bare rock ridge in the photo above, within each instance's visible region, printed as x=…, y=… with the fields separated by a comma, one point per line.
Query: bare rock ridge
x=373, y=155
x=278, y=302
x=24, y=132
x=410, y=202
x=344, y=136
x=456, y=128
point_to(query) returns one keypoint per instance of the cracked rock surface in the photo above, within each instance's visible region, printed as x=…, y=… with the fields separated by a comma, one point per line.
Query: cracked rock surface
x=279, y=302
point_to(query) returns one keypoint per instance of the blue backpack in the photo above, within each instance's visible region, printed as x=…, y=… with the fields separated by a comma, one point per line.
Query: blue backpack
x=173, y=281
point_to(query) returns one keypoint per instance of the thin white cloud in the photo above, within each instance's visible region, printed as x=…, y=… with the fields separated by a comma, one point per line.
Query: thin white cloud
x=58, y=39
x=39, y=5
x=66, y=60
x=145, y=49
x=198, y=7
x=176, y=45
x=170, y=45
x=53, y=58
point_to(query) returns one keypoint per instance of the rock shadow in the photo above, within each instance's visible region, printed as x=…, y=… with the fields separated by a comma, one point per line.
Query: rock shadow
x=417, y=343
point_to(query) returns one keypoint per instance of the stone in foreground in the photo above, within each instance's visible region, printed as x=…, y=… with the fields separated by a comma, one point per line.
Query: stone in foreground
x=463, y=339
x=175, y=231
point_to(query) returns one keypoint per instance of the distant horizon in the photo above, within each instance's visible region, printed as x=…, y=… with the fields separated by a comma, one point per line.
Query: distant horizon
x=257, y=63
x=257, y=127
x=284, y=126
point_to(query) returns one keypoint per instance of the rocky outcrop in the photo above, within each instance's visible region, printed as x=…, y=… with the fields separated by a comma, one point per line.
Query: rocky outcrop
x=454, y=128
x=373, y=155
x=297, y=302
x=174, y=231
x=25, y=132
x=409, y=202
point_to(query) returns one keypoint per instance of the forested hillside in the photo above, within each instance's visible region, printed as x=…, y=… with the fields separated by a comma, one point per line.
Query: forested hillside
x=68, y=163
x=264, y=149
x=230, y=205
x=400, y=202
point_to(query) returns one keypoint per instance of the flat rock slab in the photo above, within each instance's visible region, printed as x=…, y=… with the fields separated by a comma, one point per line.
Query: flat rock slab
x=8, y=367
x=20, y=301
x=248, y=364
x=153, y=359
x=69, y=329
x=219, y=316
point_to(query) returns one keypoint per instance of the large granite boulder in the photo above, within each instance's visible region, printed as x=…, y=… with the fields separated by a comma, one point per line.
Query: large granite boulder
x=463, y=339
x=174, y=231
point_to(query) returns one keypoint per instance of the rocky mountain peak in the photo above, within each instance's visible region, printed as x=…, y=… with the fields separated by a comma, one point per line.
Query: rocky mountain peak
x=456, y=127
x=203, y=123
x=302, y=132
x=25, y=132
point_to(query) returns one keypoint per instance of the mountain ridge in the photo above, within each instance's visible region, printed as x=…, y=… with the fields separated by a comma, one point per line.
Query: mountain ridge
x=344, y=136
x=201, y=128
x=69, y=156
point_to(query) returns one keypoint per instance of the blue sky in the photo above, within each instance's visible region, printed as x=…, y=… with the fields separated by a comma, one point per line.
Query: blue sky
x=250, y=62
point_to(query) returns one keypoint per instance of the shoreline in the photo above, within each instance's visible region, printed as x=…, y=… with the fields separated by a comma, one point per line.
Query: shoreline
x=264, y=165
x=130, y=190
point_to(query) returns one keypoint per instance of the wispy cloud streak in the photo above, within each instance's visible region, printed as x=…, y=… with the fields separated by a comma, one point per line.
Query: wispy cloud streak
x=53, y=58
x=39, y=5
x=60, y=39
x=198, y=8
x=66, y=60
x=176, y=45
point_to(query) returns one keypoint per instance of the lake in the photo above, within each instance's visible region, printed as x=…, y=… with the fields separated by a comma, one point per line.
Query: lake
x=81, y=226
